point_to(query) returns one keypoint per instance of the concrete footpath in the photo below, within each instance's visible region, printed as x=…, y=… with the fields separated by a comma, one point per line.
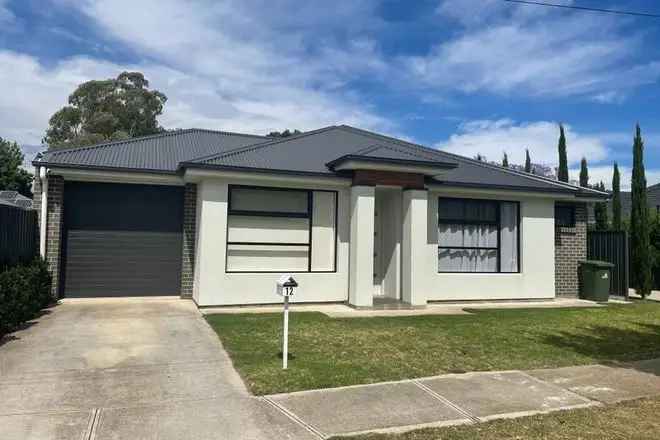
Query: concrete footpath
x=464, y=398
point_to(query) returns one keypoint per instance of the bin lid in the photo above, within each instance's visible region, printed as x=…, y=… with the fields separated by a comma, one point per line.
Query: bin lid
x=597, y=264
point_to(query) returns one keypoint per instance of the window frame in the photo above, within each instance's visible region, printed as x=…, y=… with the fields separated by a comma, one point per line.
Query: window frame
x=280, y=214
x=497, y=222
x=573, y=219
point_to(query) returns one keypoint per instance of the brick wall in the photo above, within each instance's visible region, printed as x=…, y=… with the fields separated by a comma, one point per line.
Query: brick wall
x=570, y=249
x=53, y=225
x=189, y=226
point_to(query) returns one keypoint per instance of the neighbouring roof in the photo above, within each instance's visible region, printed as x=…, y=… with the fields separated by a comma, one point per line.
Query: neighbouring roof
x=13, y=198
x=159, y=153
x=310, y=153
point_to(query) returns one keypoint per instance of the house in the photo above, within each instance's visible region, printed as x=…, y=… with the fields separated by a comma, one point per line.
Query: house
x=652, y=201
x=354, y=215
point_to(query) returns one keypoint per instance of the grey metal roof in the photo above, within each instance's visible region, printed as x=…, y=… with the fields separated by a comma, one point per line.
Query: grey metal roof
x=307, y=153
x=311, y=151
x=383, y=153
x=159, y=153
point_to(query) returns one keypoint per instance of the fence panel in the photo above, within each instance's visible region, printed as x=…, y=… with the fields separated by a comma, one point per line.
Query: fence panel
x=18, y=234
x=611, y=246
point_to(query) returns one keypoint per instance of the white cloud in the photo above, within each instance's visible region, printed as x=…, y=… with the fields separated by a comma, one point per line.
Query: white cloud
x=226, y=65
x=32, y=92
x=533, y=51
x=493, y=137
x=604, y=173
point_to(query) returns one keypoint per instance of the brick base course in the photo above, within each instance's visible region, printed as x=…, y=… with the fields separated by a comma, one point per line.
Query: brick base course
x=53, y=226
x=189, y=227
x=570, y=249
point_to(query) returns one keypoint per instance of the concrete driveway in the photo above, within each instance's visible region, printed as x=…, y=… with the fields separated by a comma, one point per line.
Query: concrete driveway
x=127, y=368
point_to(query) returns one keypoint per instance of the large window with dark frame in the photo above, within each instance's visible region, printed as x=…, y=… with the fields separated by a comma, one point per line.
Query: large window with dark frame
x=281, y=230
x=478, y=236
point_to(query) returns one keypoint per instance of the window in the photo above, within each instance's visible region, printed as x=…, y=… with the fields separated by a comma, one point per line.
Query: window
x=564, y=216
x=478, y=236
x=281, y=230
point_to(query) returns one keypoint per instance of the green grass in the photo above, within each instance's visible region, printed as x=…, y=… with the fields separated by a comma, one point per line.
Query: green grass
x=333, y=352
x=637, y=420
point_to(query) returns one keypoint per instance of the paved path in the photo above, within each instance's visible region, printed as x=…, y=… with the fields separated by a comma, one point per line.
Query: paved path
x=466, y=398
x=345, y=311
x=128, y=369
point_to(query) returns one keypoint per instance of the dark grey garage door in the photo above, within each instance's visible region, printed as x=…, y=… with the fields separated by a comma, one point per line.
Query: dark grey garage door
x=121, y=240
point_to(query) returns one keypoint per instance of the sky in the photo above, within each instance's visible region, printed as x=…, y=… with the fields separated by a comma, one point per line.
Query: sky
x=468, y=76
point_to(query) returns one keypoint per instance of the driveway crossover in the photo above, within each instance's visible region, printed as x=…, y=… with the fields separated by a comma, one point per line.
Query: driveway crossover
x=127, y=368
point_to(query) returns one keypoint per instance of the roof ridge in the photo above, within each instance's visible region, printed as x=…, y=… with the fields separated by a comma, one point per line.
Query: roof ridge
x=150, y=136
x=260, y=145
x=229, y=133
x=467, y=159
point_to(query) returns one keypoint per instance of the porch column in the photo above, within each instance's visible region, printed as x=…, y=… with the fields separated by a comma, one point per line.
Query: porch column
x=361, y=258
x=415, y=263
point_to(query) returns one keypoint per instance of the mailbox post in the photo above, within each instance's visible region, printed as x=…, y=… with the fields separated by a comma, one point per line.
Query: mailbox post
x=285, y=287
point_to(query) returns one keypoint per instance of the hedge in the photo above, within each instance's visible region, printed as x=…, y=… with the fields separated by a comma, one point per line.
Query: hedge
x=24, y=291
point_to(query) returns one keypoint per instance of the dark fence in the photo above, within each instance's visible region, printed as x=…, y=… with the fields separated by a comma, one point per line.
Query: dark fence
x=611, y=246
x=18, y=234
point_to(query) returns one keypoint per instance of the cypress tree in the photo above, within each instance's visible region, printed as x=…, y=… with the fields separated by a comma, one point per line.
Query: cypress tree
x=528, y=161
x=616, y=199
x=640, y=261
x=562, y=172
x=600, y=211
x=584, y=173
x=505, y=161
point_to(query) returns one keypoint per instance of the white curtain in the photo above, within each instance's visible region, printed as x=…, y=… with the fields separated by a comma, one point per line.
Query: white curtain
x=455, y=236
x=509, y=237
x=468, y=260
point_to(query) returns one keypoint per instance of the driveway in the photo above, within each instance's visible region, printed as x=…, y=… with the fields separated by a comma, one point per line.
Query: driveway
x=127, y=368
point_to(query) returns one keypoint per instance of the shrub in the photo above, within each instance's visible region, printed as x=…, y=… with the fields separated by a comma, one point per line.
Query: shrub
x=24, y=290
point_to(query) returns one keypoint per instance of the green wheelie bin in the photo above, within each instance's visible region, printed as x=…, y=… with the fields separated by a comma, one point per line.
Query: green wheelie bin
x=596, y=277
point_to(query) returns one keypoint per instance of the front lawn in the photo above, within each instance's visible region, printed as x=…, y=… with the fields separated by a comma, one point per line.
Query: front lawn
x=637, y=420
x=332, y=352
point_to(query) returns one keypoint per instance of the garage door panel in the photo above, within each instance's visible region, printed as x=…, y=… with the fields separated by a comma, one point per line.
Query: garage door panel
x=122, y=263
x=122, y=240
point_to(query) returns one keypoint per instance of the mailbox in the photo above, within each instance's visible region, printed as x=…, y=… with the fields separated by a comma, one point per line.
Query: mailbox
x=286, y=285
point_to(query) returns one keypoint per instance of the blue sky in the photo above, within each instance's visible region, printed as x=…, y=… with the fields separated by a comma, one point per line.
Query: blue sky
x=469, y=76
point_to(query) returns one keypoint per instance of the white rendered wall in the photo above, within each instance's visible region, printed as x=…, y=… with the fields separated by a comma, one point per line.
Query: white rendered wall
x=415, y=265
x=361, y=283
x=536, y=279
x=213, y=286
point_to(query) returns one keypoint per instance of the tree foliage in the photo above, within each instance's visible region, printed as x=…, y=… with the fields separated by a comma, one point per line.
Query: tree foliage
x=284, y=133
x=600, y=211
x=616, y=199
x=528, y=162
x=12, y=176
x=505, y=160
x=562, y=172
x=640, y=264
x=105, y=110
x=584, y=173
